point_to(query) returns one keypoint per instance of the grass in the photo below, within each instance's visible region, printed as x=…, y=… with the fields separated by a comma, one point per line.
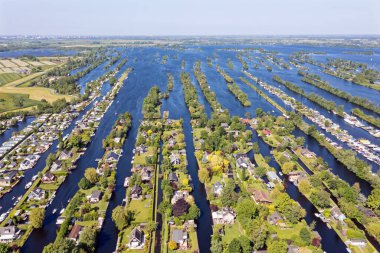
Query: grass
x=7, y=102
x=8, y=77
x=141, y=159
x=231, y=232
x=142, y=210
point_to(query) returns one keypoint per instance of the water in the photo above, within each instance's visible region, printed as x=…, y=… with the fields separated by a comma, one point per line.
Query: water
x=149, y=71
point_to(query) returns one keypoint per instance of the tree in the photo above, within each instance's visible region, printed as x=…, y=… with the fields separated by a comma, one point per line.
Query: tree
x=304, y=186
x=277, y=247
x=173, y=245
x=119, y=217
x=305, y=235
x=91, y=175
x=4, y=248
x=193, y=212
x=259, y=112
x=245, y=244
x=204, y=176
x=87, y=239
x=234, y=246
x=216, y=244
x=373, y=200
x=320, y=198
x=180, y=207
x=255, y=148
x=258, y=233
x=36, y=217
x=84, y=184
x=229, y=196
x=62, y=246
x=246, y=210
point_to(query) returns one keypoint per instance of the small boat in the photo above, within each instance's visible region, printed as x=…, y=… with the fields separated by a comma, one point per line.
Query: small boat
x=28, y=185
x=34, y=177
x=54, y=210
x=61, y=212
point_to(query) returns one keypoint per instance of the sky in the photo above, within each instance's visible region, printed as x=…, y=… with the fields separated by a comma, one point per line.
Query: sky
x=189, y=17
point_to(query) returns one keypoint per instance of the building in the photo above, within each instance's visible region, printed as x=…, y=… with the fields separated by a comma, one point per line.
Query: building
x=65, y=154
x=136, y=192
x=174, y=159
x=48, y=178
x=172, y=177
x=95, y=196
x=337, y=214
x=8, y=178
x=181, y=238
x=307, y=153
x=274, y=218
x=217, y=188
x=179, y=195
x=75, y=232
x=112, y=157
x=226, y=215
x=272, y=176
x=136, y=239
x=8, y=234
x=37, y=194
x=56, y=166
x=261, y=197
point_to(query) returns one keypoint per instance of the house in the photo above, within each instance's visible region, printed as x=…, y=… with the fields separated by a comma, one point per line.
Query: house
x=172, y=142
x=65, y=154
x=261, y=197
x=8, y=234
x=307, y=153
x=296, y=176
x=357, y=242
x=136, y=192
x=75, y=232
x=217, y=188
x=179, y=195
x=174, y=159
x=56, y=166
x=337, y=214
x=241, y=163
x=180, y=237
x=112, y=157
x=366, y=211
x=48, y=178
x=37, y=194
x=141, y=149
x=172, y=177
x=274, y=218
x=226, y=215
x=8, y=178
x=224, y=125
x=272, y=176
x=136, y=239
x=146, y=174
x=293, y=249
x=267, y=132
x=95, y=196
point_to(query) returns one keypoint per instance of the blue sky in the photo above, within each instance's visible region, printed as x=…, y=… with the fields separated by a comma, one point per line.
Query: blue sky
x=189, y=17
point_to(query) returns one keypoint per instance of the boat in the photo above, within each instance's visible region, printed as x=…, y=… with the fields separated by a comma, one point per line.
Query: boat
x=28, y=185
x=54, y=210
x=34, y=177
x=61, y=212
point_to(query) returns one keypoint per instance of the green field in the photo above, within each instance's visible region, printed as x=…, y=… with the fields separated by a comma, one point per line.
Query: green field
x=10, y=102
x=8, y=77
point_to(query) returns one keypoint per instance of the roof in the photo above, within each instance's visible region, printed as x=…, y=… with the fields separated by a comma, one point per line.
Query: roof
x=10, y=230
x=96, y=194
x=74, y=233
x=113, y=155
x=178, y=235
x=136, y=234
x=261, y=196
x=136, y=189
x=172, y=176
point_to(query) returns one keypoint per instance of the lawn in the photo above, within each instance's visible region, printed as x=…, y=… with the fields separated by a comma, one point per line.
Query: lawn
x=10, y=102
x=140, y=159
x=8, y=77
x=142, y=210
x=232, y=231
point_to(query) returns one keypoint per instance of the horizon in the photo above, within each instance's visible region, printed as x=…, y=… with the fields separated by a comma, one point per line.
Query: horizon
x=178, y=18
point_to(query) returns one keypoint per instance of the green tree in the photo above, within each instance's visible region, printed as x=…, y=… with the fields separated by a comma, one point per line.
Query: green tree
x=119, y=217
x=234, y=246
x=373, y=200
x=277, y=247
x=91, y=175
x=305, y=235
x=36, y=217
x=87, y=239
